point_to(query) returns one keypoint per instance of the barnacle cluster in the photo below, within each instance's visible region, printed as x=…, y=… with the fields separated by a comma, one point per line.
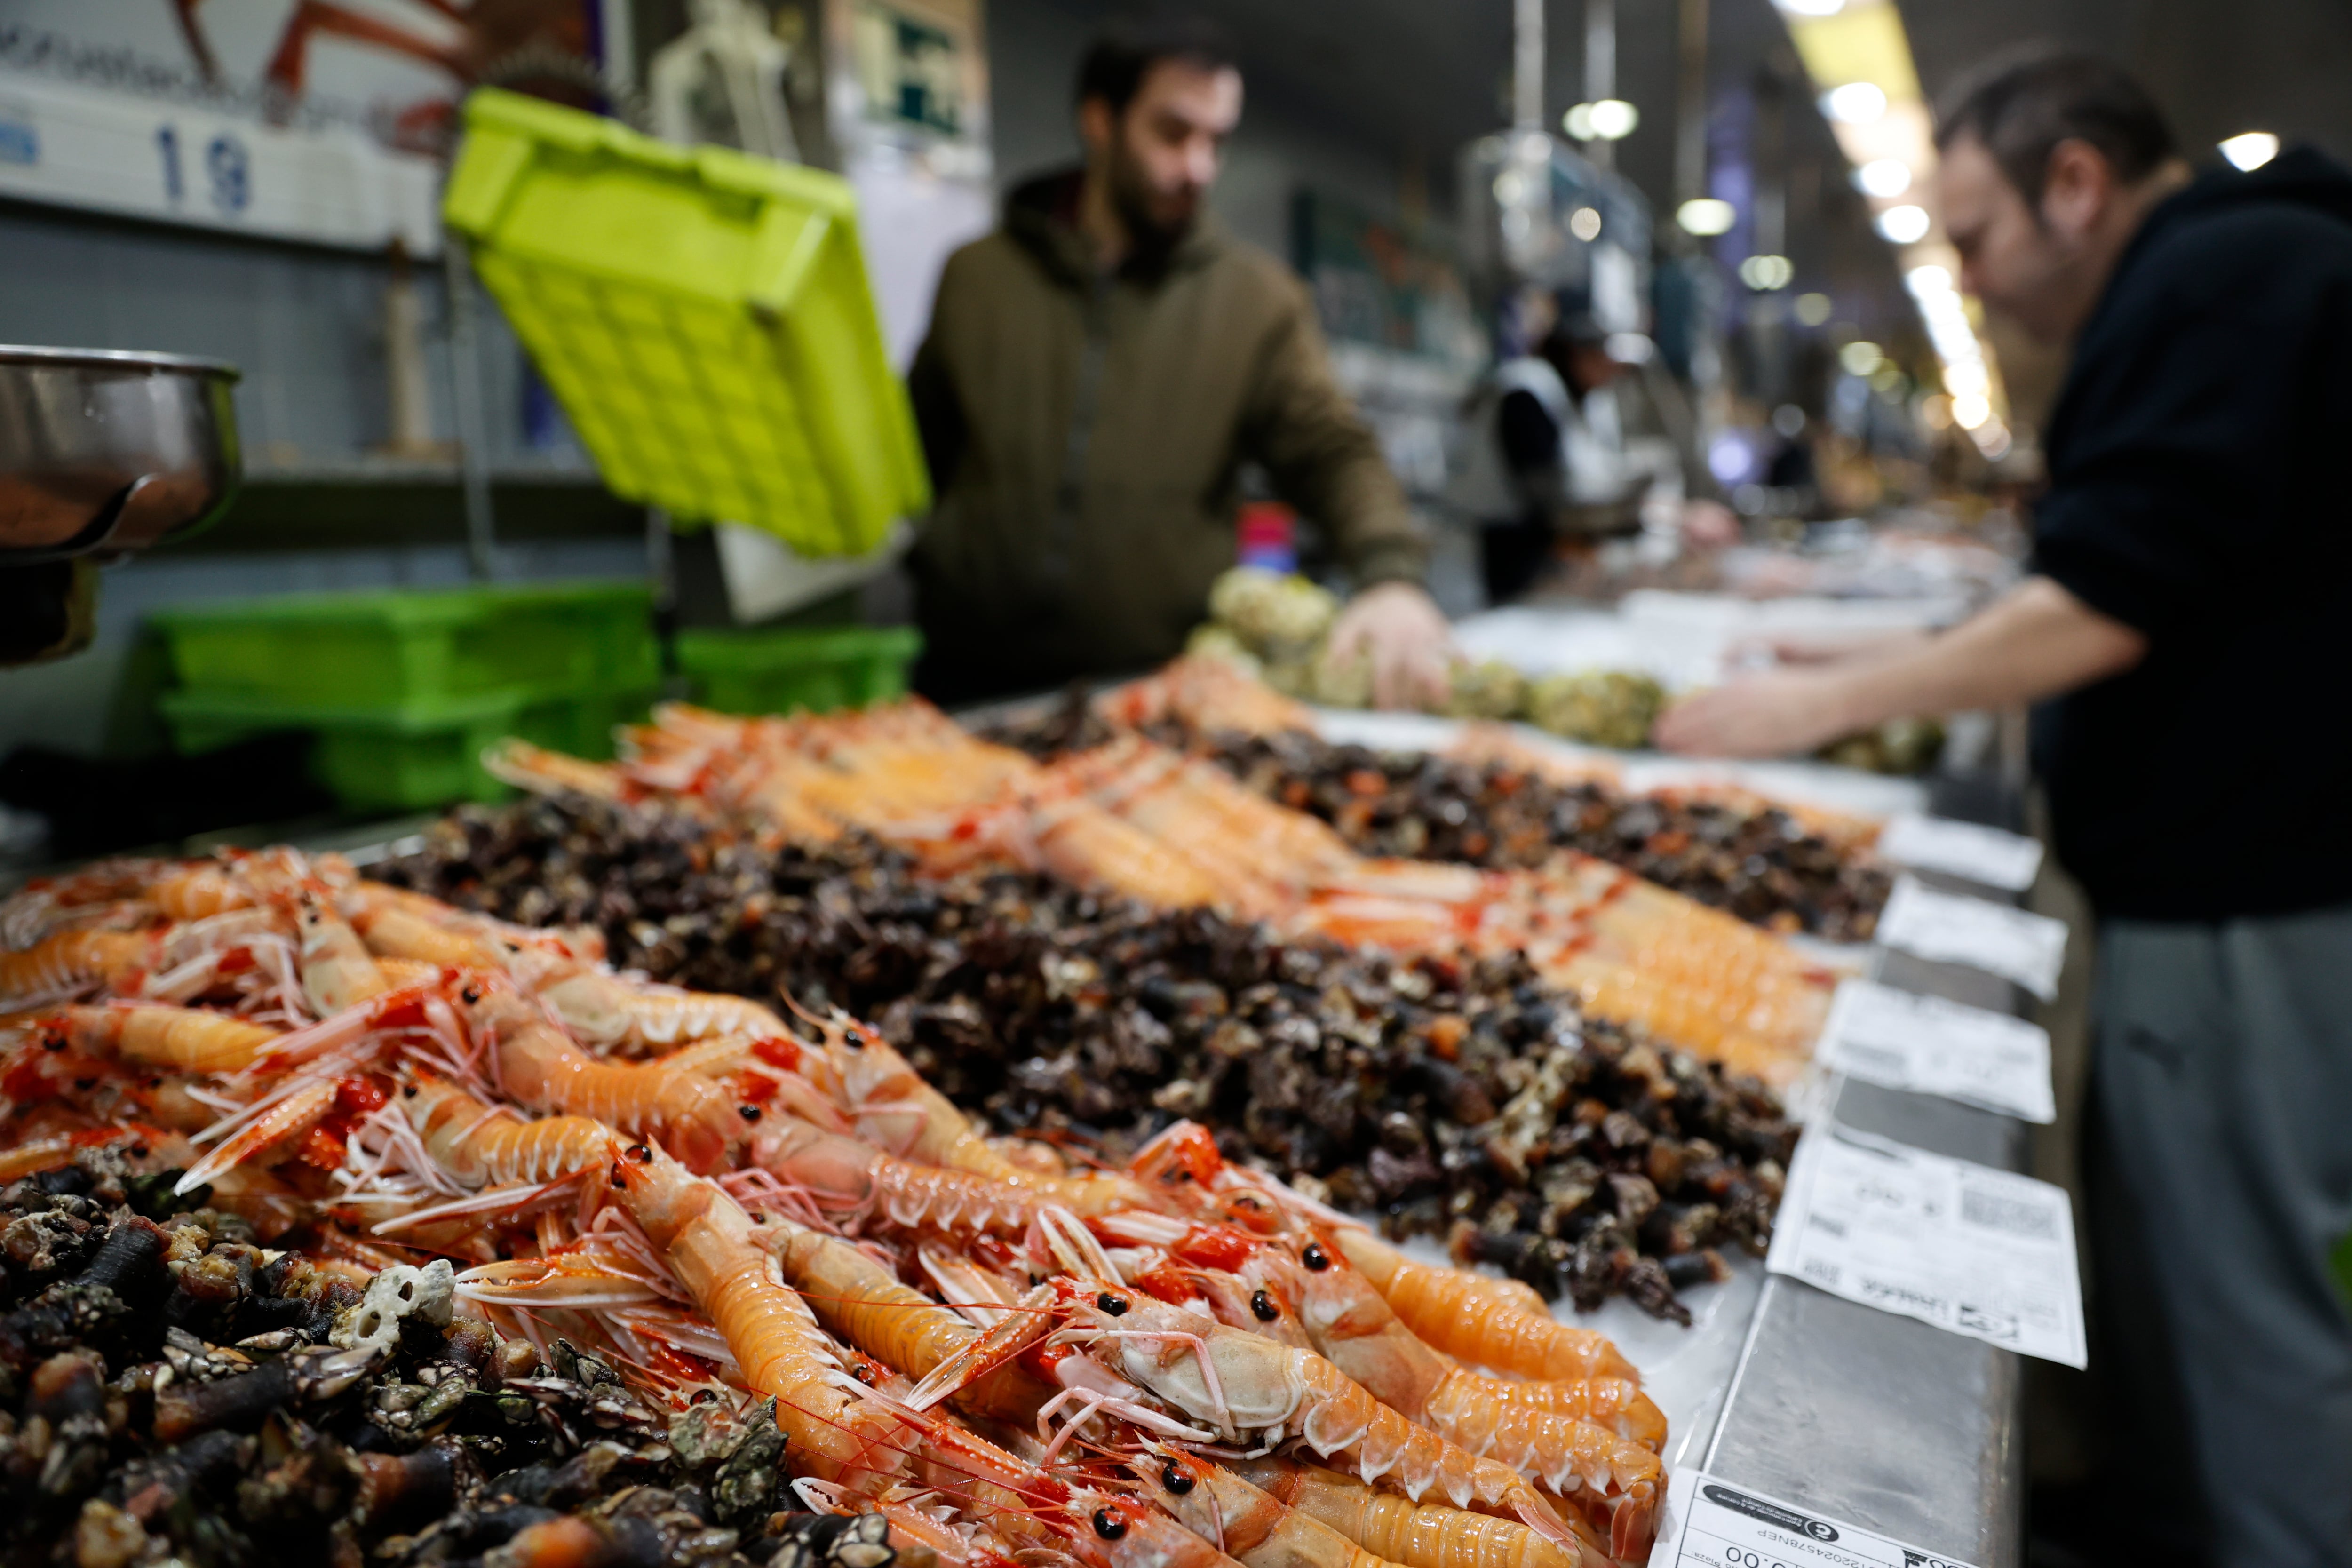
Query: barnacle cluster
x=172, y=1392
x=1450, y=1097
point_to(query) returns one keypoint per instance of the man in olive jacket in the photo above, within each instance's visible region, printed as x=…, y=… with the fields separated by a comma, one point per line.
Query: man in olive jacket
x=1096, y=373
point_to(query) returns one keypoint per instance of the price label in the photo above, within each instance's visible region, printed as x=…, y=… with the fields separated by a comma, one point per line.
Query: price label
x=1975, y=1251
x=1985, y=855
x=1955, y=929
x=83, y=147
x=1929, y=1045
x=1710, y=1523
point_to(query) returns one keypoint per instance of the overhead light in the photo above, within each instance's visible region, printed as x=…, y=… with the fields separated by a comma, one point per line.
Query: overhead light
x=1903, y=225
x=1936, y=411
x=1585, y=223
x=1965, y=379
x=1813, y=308
x=1928, y=279
x=1510, y=187
x=1860, y=358
x=1610, y=120
x=1766, y=273
x=2251, y=151
x=1970, y=410
x=1883, y=177
x=1810, y=7
x=1855, y=103
x=1628, y=348
x=1991, y=438
x=1707, y=216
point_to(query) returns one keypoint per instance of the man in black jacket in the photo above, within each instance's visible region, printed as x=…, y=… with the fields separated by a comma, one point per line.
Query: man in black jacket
x=2192, y=594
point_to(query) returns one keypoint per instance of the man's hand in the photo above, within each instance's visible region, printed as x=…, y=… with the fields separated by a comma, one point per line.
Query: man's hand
x=2036, y=641
x=1398, y=628
x=1767, y=715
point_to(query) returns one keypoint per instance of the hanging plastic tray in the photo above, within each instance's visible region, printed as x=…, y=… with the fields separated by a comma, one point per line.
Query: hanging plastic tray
x=702, y=315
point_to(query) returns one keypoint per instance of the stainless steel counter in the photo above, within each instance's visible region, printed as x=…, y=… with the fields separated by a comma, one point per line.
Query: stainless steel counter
x=1876, y=1419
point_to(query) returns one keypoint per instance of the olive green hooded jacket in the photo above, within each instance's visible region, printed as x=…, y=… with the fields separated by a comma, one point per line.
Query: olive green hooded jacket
x=1085, y=433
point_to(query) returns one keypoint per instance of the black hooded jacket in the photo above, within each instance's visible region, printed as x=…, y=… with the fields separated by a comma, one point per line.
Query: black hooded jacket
x=2200, y=491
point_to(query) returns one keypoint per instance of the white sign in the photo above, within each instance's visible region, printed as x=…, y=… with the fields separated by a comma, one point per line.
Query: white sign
x=77, y=146
x=1929, y=1045
x=1710, y=1523
x=1972, y=1251
x=1954, y=929
x=1985, y=855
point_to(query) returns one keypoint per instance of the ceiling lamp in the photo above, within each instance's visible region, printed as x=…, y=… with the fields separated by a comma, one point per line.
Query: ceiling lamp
x=1766, y=273
x=1707, y=216
x=1855, y=103
x=2252, y=150
x=1884, y=177
x=1610, y=120
x=1903, y=225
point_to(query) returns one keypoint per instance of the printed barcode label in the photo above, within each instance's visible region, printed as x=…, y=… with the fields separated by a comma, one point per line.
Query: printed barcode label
x=1997, y=1213
x=1968, y=1248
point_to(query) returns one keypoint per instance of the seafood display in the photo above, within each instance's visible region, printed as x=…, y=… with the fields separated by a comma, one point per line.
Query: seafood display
x=1493, y=801
x=1466, y=1101
x=506, y=1253
x=171, y=1391
x=1132, y=819
x=1755, y=861
x=1276, y=626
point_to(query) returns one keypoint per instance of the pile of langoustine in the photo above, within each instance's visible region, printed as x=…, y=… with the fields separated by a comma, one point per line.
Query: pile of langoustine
x=997, y=1355
x=1492, y=799
x=1135, y=820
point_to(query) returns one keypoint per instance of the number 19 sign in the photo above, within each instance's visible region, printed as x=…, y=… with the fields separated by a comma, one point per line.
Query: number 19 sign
x=158, y=159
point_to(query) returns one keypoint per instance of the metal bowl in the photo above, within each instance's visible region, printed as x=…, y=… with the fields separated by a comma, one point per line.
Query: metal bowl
x=104, y=452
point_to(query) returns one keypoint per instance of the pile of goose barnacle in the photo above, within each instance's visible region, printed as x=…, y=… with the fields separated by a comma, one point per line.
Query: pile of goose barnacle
x=485, y=1222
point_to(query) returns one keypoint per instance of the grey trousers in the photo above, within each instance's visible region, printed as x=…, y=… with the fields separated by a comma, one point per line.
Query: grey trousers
x=2221, y=1179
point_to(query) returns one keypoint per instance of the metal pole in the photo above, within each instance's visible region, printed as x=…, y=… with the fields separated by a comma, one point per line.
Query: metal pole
x=1528, y=64
x=1690, y=118
x=473, y=436
x=1600, y=70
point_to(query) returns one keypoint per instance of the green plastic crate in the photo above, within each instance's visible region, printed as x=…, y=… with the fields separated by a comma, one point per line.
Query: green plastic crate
x=702, y=315
x=383, y=650
x=788, y=671
x=417, y=756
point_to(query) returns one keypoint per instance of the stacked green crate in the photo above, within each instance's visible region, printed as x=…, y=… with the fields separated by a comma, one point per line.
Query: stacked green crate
x=404, y=690
x=815, y=670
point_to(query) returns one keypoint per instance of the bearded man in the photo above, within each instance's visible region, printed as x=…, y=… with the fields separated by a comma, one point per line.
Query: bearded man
x=1095, y=375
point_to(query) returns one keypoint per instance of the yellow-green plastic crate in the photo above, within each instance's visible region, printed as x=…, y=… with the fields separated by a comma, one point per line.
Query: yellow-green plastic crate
x=816, y=670
x=702, y=315
x=384, y=650
x=414, y=757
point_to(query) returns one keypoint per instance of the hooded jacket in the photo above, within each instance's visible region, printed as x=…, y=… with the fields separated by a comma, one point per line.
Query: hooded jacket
x=2197, y=492
x=1085, y=434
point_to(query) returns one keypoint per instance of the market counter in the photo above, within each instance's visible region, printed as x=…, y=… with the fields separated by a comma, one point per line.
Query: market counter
x=1876, y=1419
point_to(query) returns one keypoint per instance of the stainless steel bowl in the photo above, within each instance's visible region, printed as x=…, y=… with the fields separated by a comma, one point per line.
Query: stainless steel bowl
x=104, y=452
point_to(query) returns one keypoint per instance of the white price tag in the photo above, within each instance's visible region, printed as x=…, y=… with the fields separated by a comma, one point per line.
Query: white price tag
x=1972, y=1251
x=2026, y=948
x=1929, y=1045
x=1710, y=1523
x=1985, y=855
